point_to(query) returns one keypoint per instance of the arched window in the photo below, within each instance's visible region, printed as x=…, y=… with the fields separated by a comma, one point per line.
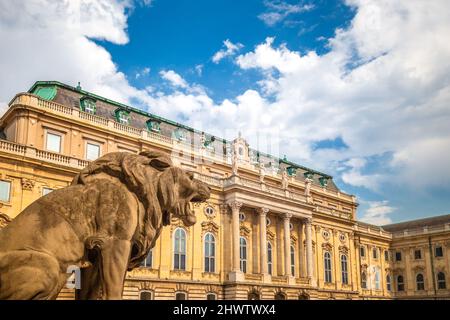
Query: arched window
x=388, y=283
x=179, y=256
x=420, y=284
x=146, y=295
x=363, y=280
x=377, y=279
x=293, y=261
x=327, y=266
x=211, y=296
x=400, y=283
x=269, y=257
x=441, y=280
x=344, y=269
x=253, y=295
x=243, y=254
x=210, y=252
x=181, y=296
x=148, y=262
x=280, y=296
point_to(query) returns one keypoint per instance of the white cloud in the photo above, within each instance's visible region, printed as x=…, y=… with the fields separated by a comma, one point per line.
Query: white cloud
x=142, y=73
x=229, y=50
x=279, y=10
x=174, y=78
x=393, y=98
x=378, y=213
x=199, y=69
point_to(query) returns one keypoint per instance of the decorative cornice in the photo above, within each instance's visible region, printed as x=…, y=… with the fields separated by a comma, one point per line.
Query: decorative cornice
x=27, y=184
x=210, y=226
x=245, y=231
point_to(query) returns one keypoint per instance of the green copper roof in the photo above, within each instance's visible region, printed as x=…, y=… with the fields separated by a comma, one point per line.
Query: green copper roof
x=122, y=106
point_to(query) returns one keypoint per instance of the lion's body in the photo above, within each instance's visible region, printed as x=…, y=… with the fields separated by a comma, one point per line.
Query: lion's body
x=51, y=234
x=104, y=223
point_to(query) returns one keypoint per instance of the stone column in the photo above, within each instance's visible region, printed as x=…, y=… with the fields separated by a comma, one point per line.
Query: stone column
x=287, y=244
x=309, y=253
x=263, y=239
x=235, y=208
x=301, y=251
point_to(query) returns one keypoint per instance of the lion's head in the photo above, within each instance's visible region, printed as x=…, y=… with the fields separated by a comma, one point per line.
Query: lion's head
x=163, y=189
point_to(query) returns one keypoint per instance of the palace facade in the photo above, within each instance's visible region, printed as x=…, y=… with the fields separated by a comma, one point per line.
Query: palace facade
x=272, y=229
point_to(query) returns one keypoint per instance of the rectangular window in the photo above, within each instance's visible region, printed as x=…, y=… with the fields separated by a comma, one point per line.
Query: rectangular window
x=417, y=254
x=362, y=252
x=398, y=256
x=438, y=252
x=5, y=190
x=386, y=255
x=92, y=151
x=375, y=253
x=53, y=142
x=46, y=191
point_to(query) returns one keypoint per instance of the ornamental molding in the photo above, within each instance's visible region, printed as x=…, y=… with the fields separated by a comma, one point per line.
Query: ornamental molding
x=327, y=247
x=146, y=285
x=27, y=184
x=212, y=289
x=4, y=220
x=293, y=239
x=344, y=249
x=270, y=235
x=177, y=223
x=245, y=231
x=419, y=269
x=210, y=226
x=182, y=287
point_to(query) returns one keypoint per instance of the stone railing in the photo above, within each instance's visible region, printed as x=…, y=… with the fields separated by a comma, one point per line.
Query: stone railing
x=154, y=137
x=421, y=231
x=42, y=155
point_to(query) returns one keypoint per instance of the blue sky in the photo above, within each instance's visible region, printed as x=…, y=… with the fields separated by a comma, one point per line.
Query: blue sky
x=347, y=87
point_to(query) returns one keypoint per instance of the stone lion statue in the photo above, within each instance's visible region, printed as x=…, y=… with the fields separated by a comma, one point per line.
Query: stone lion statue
x=104, y=223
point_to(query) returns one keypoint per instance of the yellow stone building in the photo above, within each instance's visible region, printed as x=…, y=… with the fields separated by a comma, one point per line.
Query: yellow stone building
x=272, y=229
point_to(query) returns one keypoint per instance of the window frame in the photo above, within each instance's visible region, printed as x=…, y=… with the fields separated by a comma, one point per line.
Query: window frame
x=441, y=281
x=375, y=253
x=327, y=267
x=152, y=294
x=182, y=264
x=181, y=293
x=400, y=284
x=436, y=248
x=269, y=257
x=344, y=269
x=420, y=284
x=210, y=258
x=10, y=190
x=362, y=251
x=211, y=294
x=363, y=280
x=292, y=258
x=148, y=257
x=388, y=283
x=398, y=256
x=243, y=254
x=61, y=140
x=92, y=143
x=417, y=254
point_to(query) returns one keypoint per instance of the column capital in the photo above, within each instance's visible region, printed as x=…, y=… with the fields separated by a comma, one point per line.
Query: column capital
x=262, y=211
x=235, y=205
x=287, y=216
x=308, y=221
